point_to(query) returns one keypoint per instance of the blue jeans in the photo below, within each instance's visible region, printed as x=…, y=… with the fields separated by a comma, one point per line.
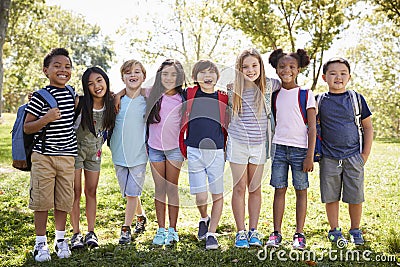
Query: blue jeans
x=284, y=157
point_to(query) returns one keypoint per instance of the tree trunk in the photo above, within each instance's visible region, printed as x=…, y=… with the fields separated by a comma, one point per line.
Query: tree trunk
x=4, y=15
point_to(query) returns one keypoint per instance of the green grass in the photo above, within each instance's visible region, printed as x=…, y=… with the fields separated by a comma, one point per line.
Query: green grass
x=380, y=221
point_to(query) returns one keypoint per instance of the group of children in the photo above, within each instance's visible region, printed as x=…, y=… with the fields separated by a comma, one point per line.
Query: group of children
x=167, y=123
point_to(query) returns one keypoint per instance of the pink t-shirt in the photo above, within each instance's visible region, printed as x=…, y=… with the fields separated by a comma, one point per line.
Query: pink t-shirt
x=165, y=134
x=290, y=128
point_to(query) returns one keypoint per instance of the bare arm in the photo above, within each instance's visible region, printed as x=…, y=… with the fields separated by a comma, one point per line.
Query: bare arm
x=308, y=164
x=368, y=138
x=117, y=100
x=33, y=124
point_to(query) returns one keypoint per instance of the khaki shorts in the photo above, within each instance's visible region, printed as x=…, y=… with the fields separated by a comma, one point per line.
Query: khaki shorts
x=52, y=183
x=244, y=154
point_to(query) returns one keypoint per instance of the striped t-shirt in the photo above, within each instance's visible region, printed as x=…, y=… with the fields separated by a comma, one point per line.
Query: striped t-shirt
x=249, y=127
x=60, y=139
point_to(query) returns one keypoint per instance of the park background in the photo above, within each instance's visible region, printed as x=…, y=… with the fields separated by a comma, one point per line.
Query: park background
x=106, y=34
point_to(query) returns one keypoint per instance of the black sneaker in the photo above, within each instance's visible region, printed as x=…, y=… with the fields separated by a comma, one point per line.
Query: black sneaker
x=140, y=224
x=77, y=241
x=91, y=240
x=203, y=229
x=126, y=236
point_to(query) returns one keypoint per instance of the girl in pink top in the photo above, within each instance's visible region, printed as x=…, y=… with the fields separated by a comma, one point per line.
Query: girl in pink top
x=163, y=118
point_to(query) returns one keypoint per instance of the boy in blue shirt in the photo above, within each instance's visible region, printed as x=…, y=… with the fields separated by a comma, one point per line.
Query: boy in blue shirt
x=205, y=148
x=52, y=173
x=127, y=142
x=342, y=164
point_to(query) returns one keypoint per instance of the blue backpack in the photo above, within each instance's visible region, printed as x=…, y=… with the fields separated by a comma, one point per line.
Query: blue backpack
x=22, y=143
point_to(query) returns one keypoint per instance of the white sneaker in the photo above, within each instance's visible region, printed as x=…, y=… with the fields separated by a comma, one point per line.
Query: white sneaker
x=41, y=252
x=62, y=249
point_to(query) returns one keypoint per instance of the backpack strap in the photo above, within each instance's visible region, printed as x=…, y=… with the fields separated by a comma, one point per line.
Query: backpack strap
x=71, y=90
x=190, y=94
x=302, y=99
x=223, y=118
x=48, y=97
x=273, y=106
x=356, y=103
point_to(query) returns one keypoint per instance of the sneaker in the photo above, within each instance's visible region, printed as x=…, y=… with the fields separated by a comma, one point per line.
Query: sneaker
x=77, y=241
x=336, y=235
x=211, y=242
x=254, y=238
x=159, y=238
x=41, y=252
x=203, y=229
x=91, y=240
x=125, y=235
x=356, y=237
x=274, y=239
x=299, y=241
x=241, y=240
x=62, y=248
x=172, y=237
x=140, y=224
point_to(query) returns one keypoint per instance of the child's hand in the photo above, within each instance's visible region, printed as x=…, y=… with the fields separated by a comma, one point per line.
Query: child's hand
x=308, y=164
x=30, y=96
x=229, y=86
x=117, y=103
x=52, y=115
x=364, y=157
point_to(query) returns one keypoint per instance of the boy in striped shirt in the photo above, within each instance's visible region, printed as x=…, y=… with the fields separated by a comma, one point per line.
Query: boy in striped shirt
x=53, y=157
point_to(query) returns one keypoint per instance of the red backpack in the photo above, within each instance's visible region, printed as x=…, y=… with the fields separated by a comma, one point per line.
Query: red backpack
x=223, y=117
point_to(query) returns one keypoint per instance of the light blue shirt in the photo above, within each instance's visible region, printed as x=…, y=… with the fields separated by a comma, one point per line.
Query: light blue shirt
x=127, y=143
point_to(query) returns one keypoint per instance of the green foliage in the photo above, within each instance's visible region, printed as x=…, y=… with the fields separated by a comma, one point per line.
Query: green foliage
x=34, y=29
x=390, y=8
x=281, y=23
x=379, y=222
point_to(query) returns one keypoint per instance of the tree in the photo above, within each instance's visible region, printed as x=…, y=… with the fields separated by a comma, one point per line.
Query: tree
x=377, y=71
x=390, y=8
x=188, y=33
x=4, y=16
x=34, y=29
x=284, y=23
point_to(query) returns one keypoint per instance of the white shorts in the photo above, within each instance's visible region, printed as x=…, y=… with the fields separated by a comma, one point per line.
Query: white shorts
x=203, y=163
x=131, y=179
x=243, y=153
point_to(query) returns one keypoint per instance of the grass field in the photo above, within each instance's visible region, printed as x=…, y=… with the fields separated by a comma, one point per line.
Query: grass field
x=380, y=222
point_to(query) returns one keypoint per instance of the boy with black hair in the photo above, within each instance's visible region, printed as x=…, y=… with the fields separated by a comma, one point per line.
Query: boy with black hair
x=342, y=164
x=53, y=157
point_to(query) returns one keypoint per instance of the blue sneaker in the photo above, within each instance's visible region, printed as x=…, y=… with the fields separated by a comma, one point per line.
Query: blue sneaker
x=241, y=240
x=211, y=241
x=336, y=236
x=254, y=238
x=159, y=238
x=172, y=237
x=299, y=241
x=356, y=237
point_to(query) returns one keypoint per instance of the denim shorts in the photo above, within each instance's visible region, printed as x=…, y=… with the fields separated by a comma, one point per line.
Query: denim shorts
x=203, y=164
x=284, y=157
x=156, y=155
x=131, y=179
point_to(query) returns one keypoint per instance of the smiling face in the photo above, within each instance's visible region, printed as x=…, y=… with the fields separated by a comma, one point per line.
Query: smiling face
x=59, y=71
x=133, y=78
x=168, y=78
x=287, y=70
x=337, y=76
x=251, y=68
x=97, y=85
x=207, y=79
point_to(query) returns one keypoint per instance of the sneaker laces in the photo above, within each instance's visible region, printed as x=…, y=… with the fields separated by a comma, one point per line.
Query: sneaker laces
x=255, y=234
x=241, y=235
